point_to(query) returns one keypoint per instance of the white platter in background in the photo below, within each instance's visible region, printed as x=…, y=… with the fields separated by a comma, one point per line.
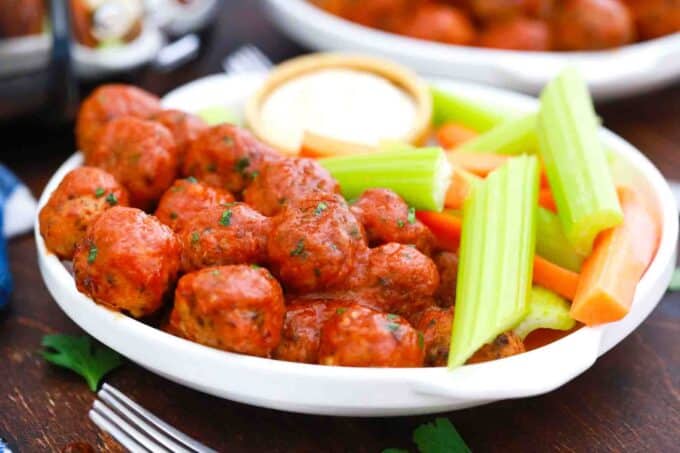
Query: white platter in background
x=24, y=55
x=610, y=74
x=317, y=389
x=95, y=63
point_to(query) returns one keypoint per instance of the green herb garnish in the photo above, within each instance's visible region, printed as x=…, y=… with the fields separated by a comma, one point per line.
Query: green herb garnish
x=321, y=207
x=81, y=354
x=99, y=192
x=392, y=327
x=111, y=199
x=225, y=219
x=421, y=340
x=411, y=215
x=400, y=223
x=173, y=215
x=92, y=254
x=340, y=310
x=192, y=180
x=242, y=164
x=439, y=436
x=392, y=316
x=195, y=237
x=211, y=167
x=299, y=248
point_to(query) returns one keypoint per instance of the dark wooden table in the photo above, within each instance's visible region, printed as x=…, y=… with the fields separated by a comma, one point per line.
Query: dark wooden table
x=629, y=401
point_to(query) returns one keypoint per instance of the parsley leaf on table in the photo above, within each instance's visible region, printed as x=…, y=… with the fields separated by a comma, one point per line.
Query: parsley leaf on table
x=675, y=281
x=81, y=354
x=439, y=437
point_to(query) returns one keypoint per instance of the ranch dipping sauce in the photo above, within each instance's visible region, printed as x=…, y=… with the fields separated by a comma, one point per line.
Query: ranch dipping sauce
x=345, y=104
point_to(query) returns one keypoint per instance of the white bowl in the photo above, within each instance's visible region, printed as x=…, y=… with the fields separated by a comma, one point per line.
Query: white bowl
x=96, y=63
x=612, y=73
x=24, y=54
x=317, y=389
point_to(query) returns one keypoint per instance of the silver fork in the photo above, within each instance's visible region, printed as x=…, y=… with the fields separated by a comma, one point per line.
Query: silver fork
x=137, y=429
x=245, y=59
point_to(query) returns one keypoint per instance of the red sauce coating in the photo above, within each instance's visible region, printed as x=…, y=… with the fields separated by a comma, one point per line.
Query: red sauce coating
x=141, y=155
x=230, y=234
x=435, y=325
x=227, y=156
x=314, y=245
x=287, y=181
x=235, y=308
x=387, y=218
x=516, y=33
x=80, y=198
x=106, y=103
x=128, y=261
x=358, y=336
x=185, y=199
x=591, y=25
x=447, y=265
x=184, y=127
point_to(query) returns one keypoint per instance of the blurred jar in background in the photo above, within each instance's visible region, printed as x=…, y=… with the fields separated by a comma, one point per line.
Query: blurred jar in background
x=21, y=18
x=103, y=23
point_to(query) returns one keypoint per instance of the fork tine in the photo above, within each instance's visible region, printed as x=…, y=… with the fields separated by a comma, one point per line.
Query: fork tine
x=247, y=58
x=149, y=430
x=146, y=443
x=155, y=421
x=107, y=426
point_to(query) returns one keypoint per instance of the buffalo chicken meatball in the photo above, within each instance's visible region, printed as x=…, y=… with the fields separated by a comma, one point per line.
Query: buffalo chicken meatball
x=185, y=199
x=302, y=329
x=447, y=265
x=287, y=181
x=517, y=33
x=401, y=279
x=227, y=156
x=361, y=337
x=106, y=103
x=387, y=218
x=140, y=154
x=235, y=308
x=505, y=345
x=435, y=324
x=437, y=22
x=655, y=18
x=591, y=25
x=80, y=198
x=314, y=244
x=128, y=261
x=229, y=234
x=184, y=127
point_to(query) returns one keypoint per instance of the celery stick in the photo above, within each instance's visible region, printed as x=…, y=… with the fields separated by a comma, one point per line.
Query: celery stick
x=496, y=257
x=547, y=310
x=575, y=161
x=552, y=244
x=514, y=136
x=419, y=175
x=217, y=115
x=449, y=107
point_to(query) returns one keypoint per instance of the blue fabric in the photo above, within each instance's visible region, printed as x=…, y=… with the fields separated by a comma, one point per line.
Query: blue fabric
x=8, y=182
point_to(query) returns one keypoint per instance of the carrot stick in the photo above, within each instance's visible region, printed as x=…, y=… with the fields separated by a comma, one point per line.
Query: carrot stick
x=451, y=134
x=480, y=164
x=546, y=200
x=555, y=278
x=318, y=146
x=620, y=256
x=462, y=183
x=445, y=227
